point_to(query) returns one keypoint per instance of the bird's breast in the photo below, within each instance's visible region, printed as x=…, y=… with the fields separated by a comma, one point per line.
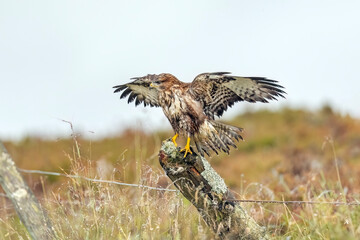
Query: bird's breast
x=173, y=104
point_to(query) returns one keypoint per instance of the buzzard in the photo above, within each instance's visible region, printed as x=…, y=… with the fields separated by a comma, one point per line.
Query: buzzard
x=191, y=107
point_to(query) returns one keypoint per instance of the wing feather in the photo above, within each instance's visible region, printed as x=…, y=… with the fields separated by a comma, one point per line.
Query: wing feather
x=140, y=91
x=218, y=91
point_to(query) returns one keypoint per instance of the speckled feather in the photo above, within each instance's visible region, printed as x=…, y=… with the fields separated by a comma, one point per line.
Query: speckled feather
x=218, y=91
x=192, y=107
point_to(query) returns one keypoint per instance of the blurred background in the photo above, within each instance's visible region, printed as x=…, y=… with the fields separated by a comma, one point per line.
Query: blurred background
x=59, y=60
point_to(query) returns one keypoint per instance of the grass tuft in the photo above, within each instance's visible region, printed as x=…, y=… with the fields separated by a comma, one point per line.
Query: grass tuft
x=293, y=155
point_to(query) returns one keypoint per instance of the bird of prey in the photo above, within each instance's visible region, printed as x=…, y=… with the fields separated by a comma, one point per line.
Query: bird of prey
x=191, y=107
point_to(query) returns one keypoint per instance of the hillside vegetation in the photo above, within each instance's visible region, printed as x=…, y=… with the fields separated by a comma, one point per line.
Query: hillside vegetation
x=291, y=154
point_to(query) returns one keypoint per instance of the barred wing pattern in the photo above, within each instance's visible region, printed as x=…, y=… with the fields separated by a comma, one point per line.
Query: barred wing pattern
x=140, y=91
x=218, y=91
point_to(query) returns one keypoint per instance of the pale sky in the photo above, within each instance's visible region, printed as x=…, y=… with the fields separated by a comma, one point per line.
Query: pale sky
x=60, y=59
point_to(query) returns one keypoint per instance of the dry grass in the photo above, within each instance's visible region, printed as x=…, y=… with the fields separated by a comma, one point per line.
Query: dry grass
x=287, y=155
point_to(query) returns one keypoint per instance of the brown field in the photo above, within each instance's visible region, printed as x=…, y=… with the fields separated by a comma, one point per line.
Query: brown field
x=290, y=154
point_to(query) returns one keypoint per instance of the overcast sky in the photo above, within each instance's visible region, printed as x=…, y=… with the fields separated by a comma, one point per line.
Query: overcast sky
x=60, y=59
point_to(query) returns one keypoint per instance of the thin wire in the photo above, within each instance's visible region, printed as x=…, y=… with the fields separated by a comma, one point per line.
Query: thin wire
x=293, y=202
x=94, y=180
x=355, y=203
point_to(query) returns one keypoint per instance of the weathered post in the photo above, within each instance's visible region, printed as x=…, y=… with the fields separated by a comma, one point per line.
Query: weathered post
x=26, y=205
x=207, y=191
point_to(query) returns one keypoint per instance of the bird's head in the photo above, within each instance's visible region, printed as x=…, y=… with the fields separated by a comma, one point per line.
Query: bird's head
x=161, y=81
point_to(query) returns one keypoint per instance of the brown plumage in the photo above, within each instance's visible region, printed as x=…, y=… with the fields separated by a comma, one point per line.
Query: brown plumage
x=191, y=107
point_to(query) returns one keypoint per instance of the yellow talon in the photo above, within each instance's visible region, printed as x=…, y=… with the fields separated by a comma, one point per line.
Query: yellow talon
x=174, y=138
x=187, y=148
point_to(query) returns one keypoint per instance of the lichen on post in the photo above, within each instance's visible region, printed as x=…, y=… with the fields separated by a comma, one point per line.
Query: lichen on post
x=207, y=191
x=26, y=205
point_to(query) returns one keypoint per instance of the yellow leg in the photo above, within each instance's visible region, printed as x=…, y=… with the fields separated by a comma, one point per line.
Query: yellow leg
x=174, y=139
x=187, y=148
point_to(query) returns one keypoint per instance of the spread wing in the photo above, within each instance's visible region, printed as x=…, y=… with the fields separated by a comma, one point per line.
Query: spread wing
x=218, y=91
x=140, y=91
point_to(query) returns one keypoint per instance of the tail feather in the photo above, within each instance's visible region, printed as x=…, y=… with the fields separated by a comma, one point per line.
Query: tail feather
x=210, y=143
x=207, y=149
x=220, y=143
x=227, y=140
x=202, y=148
x=226, y=137
x=216, y=136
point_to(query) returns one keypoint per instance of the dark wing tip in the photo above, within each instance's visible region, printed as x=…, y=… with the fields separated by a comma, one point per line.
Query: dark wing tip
x=125, y=93
x=119, y=88
x=272, y=86
x=127, y=90
x=220, y=73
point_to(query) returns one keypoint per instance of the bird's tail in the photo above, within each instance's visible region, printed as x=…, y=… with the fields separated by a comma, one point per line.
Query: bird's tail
x=216, y=136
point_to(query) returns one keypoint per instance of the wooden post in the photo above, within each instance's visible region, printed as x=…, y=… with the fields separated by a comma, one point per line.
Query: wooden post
x=26, y=205
x=207, y=191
